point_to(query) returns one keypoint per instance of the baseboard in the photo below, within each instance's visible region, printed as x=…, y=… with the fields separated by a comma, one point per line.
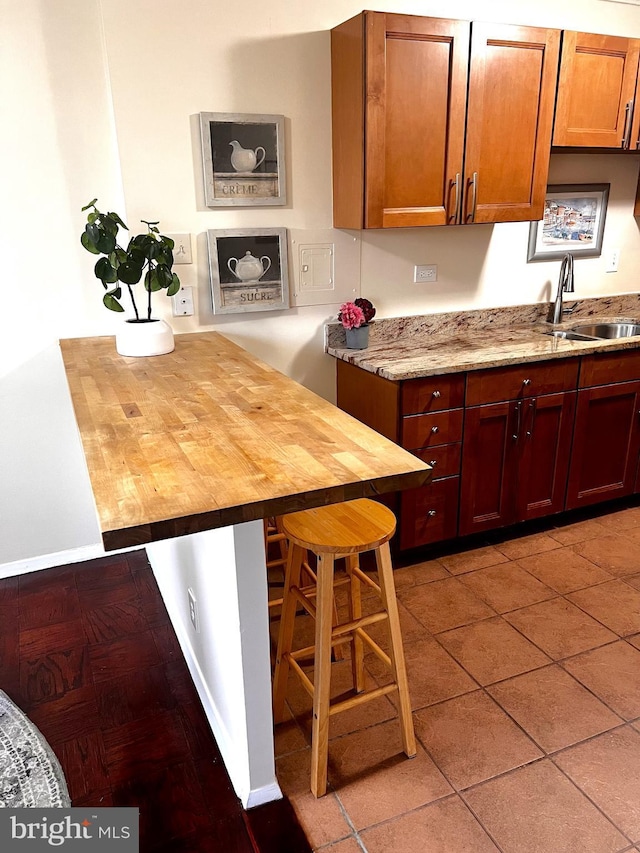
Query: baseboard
x=50, y=561
x=266, y=794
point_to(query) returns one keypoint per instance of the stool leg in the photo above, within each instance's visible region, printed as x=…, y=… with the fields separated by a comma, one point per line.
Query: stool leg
x=322, y=676
x=285, y=634
x=385, y=571
x=355, y=612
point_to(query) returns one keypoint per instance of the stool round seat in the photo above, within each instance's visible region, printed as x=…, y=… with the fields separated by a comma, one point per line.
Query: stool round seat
x=346, y=528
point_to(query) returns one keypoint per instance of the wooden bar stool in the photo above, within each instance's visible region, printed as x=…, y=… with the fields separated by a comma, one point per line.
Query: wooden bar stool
x=340, y=530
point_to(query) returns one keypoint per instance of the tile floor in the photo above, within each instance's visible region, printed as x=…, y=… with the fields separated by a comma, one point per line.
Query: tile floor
x=524, y=670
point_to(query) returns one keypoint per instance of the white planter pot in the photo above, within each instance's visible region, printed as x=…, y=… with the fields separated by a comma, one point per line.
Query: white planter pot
x=144, y=338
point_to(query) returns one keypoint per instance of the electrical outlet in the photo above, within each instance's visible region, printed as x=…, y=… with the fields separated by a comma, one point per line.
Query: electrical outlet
x=183, y=302
x=425, y=272
x=193, y=609
x=613, y=259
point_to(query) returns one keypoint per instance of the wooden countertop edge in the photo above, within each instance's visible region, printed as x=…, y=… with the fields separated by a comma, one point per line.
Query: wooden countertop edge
x=144, y=533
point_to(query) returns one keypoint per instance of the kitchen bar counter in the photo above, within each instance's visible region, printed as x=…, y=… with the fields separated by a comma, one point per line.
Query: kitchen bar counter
x=412, y=347
x=187, y=453
x=208, y=436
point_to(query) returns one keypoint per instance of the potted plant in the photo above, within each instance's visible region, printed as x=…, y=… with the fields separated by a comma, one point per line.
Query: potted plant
x=355, y=317
x=149, y=255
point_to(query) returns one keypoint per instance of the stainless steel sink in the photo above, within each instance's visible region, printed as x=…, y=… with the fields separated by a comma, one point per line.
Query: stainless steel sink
x=569, y=335
x=608, y=330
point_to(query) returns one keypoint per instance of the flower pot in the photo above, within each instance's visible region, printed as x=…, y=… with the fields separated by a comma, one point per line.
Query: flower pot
x=358, y=338
x=144, y=337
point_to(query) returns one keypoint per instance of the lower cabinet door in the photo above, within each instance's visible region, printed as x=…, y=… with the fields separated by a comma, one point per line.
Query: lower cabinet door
x=545, y=450
x=429, y=513
x=489, y=459
x=605, y=444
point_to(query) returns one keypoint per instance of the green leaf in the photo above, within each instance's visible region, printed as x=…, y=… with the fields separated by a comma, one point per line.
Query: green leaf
x=88, y=244
x=168, y=242
x=174, y=287
x=91, y=204
x=107, y=243
x=129, y=273
x=105, y=272
x=109, y=224
x=117, y=219
x=93, y=232
x=151, y=281
x=112, y=303
x=93, y=216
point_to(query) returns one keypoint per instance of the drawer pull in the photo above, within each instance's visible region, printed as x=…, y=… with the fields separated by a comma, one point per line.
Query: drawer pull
x=526, y=382
x=432, y=512
x=434, y=462
x=436, y=394
x=435, y=429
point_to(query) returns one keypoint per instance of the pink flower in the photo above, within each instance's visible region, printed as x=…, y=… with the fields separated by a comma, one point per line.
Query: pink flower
x=351, y=316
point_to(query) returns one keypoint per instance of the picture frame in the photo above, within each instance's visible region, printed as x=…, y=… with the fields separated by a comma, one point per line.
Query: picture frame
x=243, y=159
x=248, y=269
x=574, y=217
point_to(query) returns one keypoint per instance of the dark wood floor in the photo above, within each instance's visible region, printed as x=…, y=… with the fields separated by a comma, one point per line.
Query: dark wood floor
x=88, y=652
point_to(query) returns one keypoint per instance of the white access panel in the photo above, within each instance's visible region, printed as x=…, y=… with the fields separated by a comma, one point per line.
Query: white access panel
x=325, y=266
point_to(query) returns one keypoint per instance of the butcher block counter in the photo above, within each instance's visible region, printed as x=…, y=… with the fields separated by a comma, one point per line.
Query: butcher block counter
x=208, y=436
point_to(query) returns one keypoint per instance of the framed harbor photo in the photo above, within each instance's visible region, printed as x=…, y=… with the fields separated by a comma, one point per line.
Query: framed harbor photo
x=249, y=270
x=243, y=159
x=574, y=216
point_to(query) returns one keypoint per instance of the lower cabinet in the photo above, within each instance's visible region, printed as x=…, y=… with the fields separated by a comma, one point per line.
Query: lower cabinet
x=515, y=461
x=506, y=444
x=606, y=444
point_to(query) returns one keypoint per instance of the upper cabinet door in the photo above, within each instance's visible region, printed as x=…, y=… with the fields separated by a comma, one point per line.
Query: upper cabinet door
x=399, y=87
x=416, y=72
x=512, y=84
x=596, y=91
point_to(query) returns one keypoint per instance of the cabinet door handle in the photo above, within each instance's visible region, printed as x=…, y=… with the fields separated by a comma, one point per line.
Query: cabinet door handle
x=432, y=512
x=526, y=382
x=532, y=409
x=435, y=429
x=518, y=410
x=626, y=135
x=436, y=394
x=433, y=463
x=456, y=206
x=473, y=182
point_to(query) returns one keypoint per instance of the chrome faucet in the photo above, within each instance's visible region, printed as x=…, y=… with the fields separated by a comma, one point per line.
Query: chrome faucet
x=565, y=285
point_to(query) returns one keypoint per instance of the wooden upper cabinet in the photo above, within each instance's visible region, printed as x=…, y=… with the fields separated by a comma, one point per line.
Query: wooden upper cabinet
x=400, y=85
x=512, y=84
x=596, y=92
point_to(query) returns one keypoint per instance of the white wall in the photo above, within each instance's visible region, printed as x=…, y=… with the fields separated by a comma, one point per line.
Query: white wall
x=101, y=98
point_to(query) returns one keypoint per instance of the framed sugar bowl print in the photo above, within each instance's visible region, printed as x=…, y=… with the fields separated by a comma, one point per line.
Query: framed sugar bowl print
x=249, y=270
x=574, y=216
x=243, y=159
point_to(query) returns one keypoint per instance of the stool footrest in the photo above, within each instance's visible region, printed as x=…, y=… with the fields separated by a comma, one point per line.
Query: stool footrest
x=350, y=627
x=357, y=571
x=359, y=698
x=304, y=678
x=375, y=648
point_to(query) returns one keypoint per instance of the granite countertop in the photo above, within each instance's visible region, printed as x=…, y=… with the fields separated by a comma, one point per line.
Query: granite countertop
x=411, y=347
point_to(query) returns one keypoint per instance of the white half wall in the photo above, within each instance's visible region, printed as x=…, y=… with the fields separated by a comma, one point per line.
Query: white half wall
x=228, y=655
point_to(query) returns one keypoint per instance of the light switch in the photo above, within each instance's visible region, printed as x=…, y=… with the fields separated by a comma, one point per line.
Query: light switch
x=181, y=248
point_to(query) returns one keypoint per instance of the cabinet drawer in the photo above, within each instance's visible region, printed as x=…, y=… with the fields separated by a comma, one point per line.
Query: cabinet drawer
x=606, y=368
x=433, y=393
x=521, y=380
x=429, y=513
x=427, y=430
x=445, y=459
